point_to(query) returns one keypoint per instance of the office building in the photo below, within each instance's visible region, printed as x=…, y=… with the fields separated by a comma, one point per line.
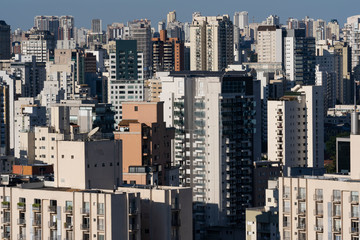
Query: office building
x=295, y=128
x=168, y=54
x=211, y=43
x=146, y=143
x=4, y=40
x=215, y=145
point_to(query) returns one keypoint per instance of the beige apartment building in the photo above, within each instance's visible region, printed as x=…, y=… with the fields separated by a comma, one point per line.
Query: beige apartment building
x=35, y=212
x=325, y=207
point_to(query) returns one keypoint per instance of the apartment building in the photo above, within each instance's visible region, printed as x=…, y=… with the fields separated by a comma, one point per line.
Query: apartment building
x=33, y=211
x=295, y=128
x=4, y=40
x=269, y=46
x=217, y=135
x=211, y=43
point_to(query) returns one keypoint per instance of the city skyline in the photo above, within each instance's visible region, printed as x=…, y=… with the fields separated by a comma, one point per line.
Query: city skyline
x=284, y=9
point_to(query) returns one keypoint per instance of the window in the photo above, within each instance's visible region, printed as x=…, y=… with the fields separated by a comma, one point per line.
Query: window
x=286, y=206
x=136, y=108
x=100, y=209
x=354, y=196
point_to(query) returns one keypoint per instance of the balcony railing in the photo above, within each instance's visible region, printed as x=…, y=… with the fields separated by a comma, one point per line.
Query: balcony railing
x=52, y=209
x=21, y=206
x=52, y=224
x=101, y=227
x=5, y=235
x=354, y=230
x=100, y=211
x=21, y=221
x=36, y=223
x=5, y=205
x=68, y=209
x=21, y=236
x=5, y=220
x=85, y=226
x=318, y=197
x=68, y=225
x=36, y=207
x=318, y=228
x=85, y=211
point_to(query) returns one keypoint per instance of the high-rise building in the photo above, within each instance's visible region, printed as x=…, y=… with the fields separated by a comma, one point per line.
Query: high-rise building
x=115, y=31
x=241, y=20
x=319, y=29
x=299, y=57
x=272, y=20
x=140, y=30
x=353, y=23
x=295, y=128
x=168, y=54
x=333, y=30
x=4, y=40
x=40, y=44
x=211, y=43
x=96, y=26
x=269, y=45
x=66, y=28
x=124, y=83
x=216, y=116
x=171, y=17
x=47, y=23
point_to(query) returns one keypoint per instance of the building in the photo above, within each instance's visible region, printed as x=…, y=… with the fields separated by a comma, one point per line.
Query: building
x=140, y=30
x=269, y=46
x=171, y=17
x=5, y=99
x=4, y=40
x=40, y=44
x=66, y=28
x=124, y=83
x=146, y=143
x=168, y=54
x=295, y=128
x=262, y=222
x=47, y=23
x=96, y=26
x=241, y=20
x=211, y=43
x=37, y=211
x=299, y=57
x=215, y=145
x=273, y=20
x=353, y=37
x=343, y=155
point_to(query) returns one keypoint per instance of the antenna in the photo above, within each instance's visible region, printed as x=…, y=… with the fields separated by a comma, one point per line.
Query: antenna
x=354, y=96
x=92, y=132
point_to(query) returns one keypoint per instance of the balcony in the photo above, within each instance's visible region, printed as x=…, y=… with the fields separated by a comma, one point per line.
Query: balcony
x=68, y=225
x=336, y=229
x=318, y=228
x=36, y=223
x=336, y=199
x=21, y=206
x=5, y=235
x=301, y=197
x=302, y=211
x=68, y=209
x=21, y=221
x=21, y=236
x=318, y=212
x=5, y=205
x=301, y=226
x=85, y=227
x=36, y=207
x=85, y=211
x=101, y=227
x=52, y=209
x=52, y=225
x=318, y=197
x=133, y=211
x=354, y=199
x=5, y=220
x=354, y=230
x=100, y=211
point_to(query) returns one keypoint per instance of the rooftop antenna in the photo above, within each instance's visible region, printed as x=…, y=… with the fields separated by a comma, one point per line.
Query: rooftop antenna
x=92, y=132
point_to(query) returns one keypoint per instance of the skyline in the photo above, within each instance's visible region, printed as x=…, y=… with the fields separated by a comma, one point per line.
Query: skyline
x=284, y=9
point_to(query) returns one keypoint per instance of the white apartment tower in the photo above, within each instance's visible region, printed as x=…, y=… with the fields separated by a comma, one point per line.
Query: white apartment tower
x=295, y=128
x=269, y=44
x=241, y=20
x=217, y=123
x=211, y=43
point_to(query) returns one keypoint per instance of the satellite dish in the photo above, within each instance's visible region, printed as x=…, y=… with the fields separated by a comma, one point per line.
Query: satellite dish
x=92, y=132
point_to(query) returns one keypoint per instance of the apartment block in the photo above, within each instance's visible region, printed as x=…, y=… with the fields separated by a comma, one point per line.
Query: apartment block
x=295, y=128
x=215, y=145
x=4, y=40
x=211, y=43
x=269, y=46
x=32, y=211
